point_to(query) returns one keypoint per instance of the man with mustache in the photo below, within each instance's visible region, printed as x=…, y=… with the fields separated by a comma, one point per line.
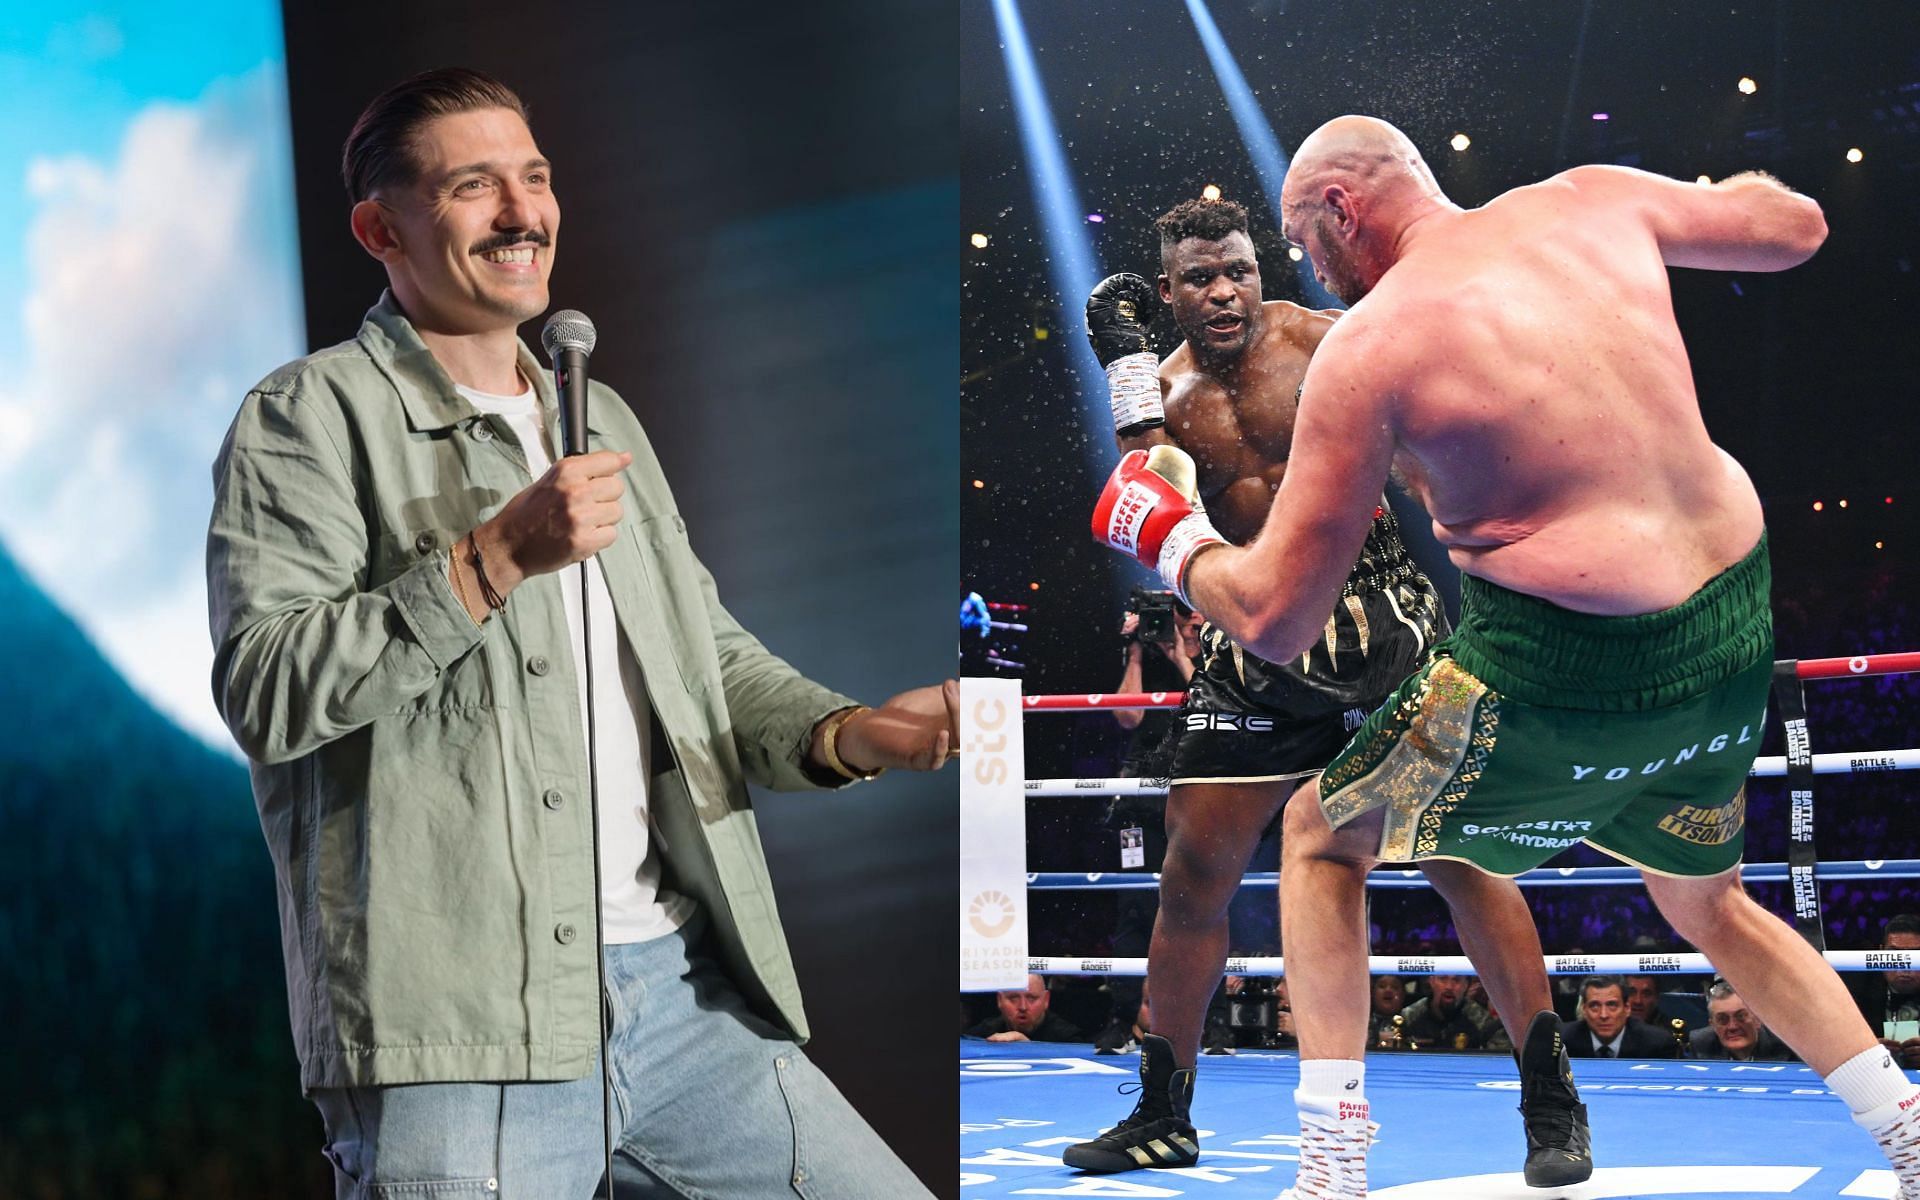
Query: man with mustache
x=1519, y=364
x=400, y=655
x=1252, y=730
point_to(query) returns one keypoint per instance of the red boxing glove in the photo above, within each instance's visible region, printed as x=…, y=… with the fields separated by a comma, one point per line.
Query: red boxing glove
x=1151, y=509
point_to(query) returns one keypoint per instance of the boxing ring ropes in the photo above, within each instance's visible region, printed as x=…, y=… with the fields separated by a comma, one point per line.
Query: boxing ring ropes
x=1021, y=1103
x=1804, y=871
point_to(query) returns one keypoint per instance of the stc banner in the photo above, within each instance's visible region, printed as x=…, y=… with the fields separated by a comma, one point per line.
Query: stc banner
x=993, y=837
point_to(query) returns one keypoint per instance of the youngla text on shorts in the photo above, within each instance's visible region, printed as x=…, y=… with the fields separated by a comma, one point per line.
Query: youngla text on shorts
x=1714, y=745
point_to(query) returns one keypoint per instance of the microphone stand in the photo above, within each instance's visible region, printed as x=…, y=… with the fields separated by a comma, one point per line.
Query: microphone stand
x=599, y=908
x=569, y=356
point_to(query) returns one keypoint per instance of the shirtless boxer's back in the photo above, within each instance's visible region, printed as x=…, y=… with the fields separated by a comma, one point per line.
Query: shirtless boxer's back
x=1250, y=729
x=1521, y=365
x=1539, y=334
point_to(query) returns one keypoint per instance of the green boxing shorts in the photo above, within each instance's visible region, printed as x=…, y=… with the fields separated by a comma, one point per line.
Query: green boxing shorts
x=1533, y=728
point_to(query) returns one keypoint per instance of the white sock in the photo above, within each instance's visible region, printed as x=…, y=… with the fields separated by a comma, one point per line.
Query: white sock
x=1869, y=1082
x=1332, y=1079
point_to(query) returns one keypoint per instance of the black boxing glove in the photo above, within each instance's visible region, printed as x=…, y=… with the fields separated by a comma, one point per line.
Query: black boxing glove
x=1117, y=312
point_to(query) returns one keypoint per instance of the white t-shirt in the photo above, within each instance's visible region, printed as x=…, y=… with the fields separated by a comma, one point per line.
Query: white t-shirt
x=635, y=907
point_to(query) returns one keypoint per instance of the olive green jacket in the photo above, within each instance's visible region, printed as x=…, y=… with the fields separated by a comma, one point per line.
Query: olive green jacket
x=421, y=780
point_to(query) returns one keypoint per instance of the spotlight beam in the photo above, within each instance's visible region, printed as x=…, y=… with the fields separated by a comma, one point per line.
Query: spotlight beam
x=1573, y=84
x=1269, y=160
x=1071, y=265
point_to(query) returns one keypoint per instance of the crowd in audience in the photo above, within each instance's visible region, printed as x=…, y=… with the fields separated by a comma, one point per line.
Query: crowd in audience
x=1603, y=1016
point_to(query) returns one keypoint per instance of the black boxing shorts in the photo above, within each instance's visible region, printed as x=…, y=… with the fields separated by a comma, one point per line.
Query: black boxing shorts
x=1247, y=720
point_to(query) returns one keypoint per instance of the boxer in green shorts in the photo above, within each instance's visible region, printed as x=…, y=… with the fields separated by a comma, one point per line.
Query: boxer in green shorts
x=1518, y=367
x=1534, y=728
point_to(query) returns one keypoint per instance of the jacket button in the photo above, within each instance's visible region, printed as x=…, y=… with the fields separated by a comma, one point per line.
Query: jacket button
x=482, y=432
x=553, y=799
x=426, y=543
x=679, y=524
x=563, y=934
x=537, y=664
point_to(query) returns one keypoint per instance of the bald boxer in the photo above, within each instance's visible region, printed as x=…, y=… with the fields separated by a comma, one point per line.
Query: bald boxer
x=1250, y=730
x=1519, y=364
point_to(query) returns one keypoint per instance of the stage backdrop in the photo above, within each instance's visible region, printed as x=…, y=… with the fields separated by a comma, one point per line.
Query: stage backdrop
x=148, y=274
x=758, y=214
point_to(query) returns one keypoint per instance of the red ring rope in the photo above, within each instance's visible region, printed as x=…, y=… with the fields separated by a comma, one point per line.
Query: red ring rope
x=1858, y=666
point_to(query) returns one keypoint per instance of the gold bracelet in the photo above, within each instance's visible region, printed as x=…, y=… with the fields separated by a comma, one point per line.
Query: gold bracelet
x=459, y=585
x=829, y=744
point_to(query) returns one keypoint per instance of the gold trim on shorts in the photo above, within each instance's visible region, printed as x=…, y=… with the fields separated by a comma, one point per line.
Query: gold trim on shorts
x=1358, y=612
x=1610, y=852
x=1438, y=744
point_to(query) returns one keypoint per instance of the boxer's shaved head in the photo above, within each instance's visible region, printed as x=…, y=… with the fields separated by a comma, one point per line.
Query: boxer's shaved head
x=1364, y=153
x=1354, y=184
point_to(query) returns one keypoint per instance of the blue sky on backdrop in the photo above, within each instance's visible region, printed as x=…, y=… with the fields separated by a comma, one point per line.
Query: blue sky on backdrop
x=149, y=274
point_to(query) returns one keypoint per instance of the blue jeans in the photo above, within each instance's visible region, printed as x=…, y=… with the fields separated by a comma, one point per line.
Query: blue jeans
x=710, y=1103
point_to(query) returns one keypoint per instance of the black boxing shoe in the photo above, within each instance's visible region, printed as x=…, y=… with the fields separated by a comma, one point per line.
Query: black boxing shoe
x=1157, y=1132
x=1559, y=1144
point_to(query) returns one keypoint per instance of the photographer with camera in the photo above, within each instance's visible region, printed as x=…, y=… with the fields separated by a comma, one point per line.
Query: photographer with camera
x=1162, y=622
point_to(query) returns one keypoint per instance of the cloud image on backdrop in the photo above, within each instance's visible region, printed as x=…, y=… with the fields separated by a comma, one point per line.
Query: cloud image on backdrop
x=149, y=275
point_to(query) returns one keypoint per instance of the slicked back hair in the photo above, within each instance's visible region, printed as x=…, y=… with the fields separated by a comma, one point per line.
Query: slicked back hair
x=380, y=150
x=1208, y=220
x=1904, y=923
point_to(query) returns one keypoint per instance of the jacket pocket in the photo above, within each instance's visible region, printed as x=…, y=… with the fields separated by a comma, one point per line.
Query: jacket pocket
x=682, y=585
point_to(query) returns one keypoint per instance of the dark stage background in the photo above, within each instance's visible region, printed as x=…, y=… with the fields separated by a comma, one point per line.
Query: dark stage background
x=757, y=211
x=1807, y=377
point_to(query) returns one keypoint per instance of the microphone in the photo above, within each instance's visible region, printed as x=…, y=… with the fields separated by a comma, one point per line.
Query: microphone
x=568, y=339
